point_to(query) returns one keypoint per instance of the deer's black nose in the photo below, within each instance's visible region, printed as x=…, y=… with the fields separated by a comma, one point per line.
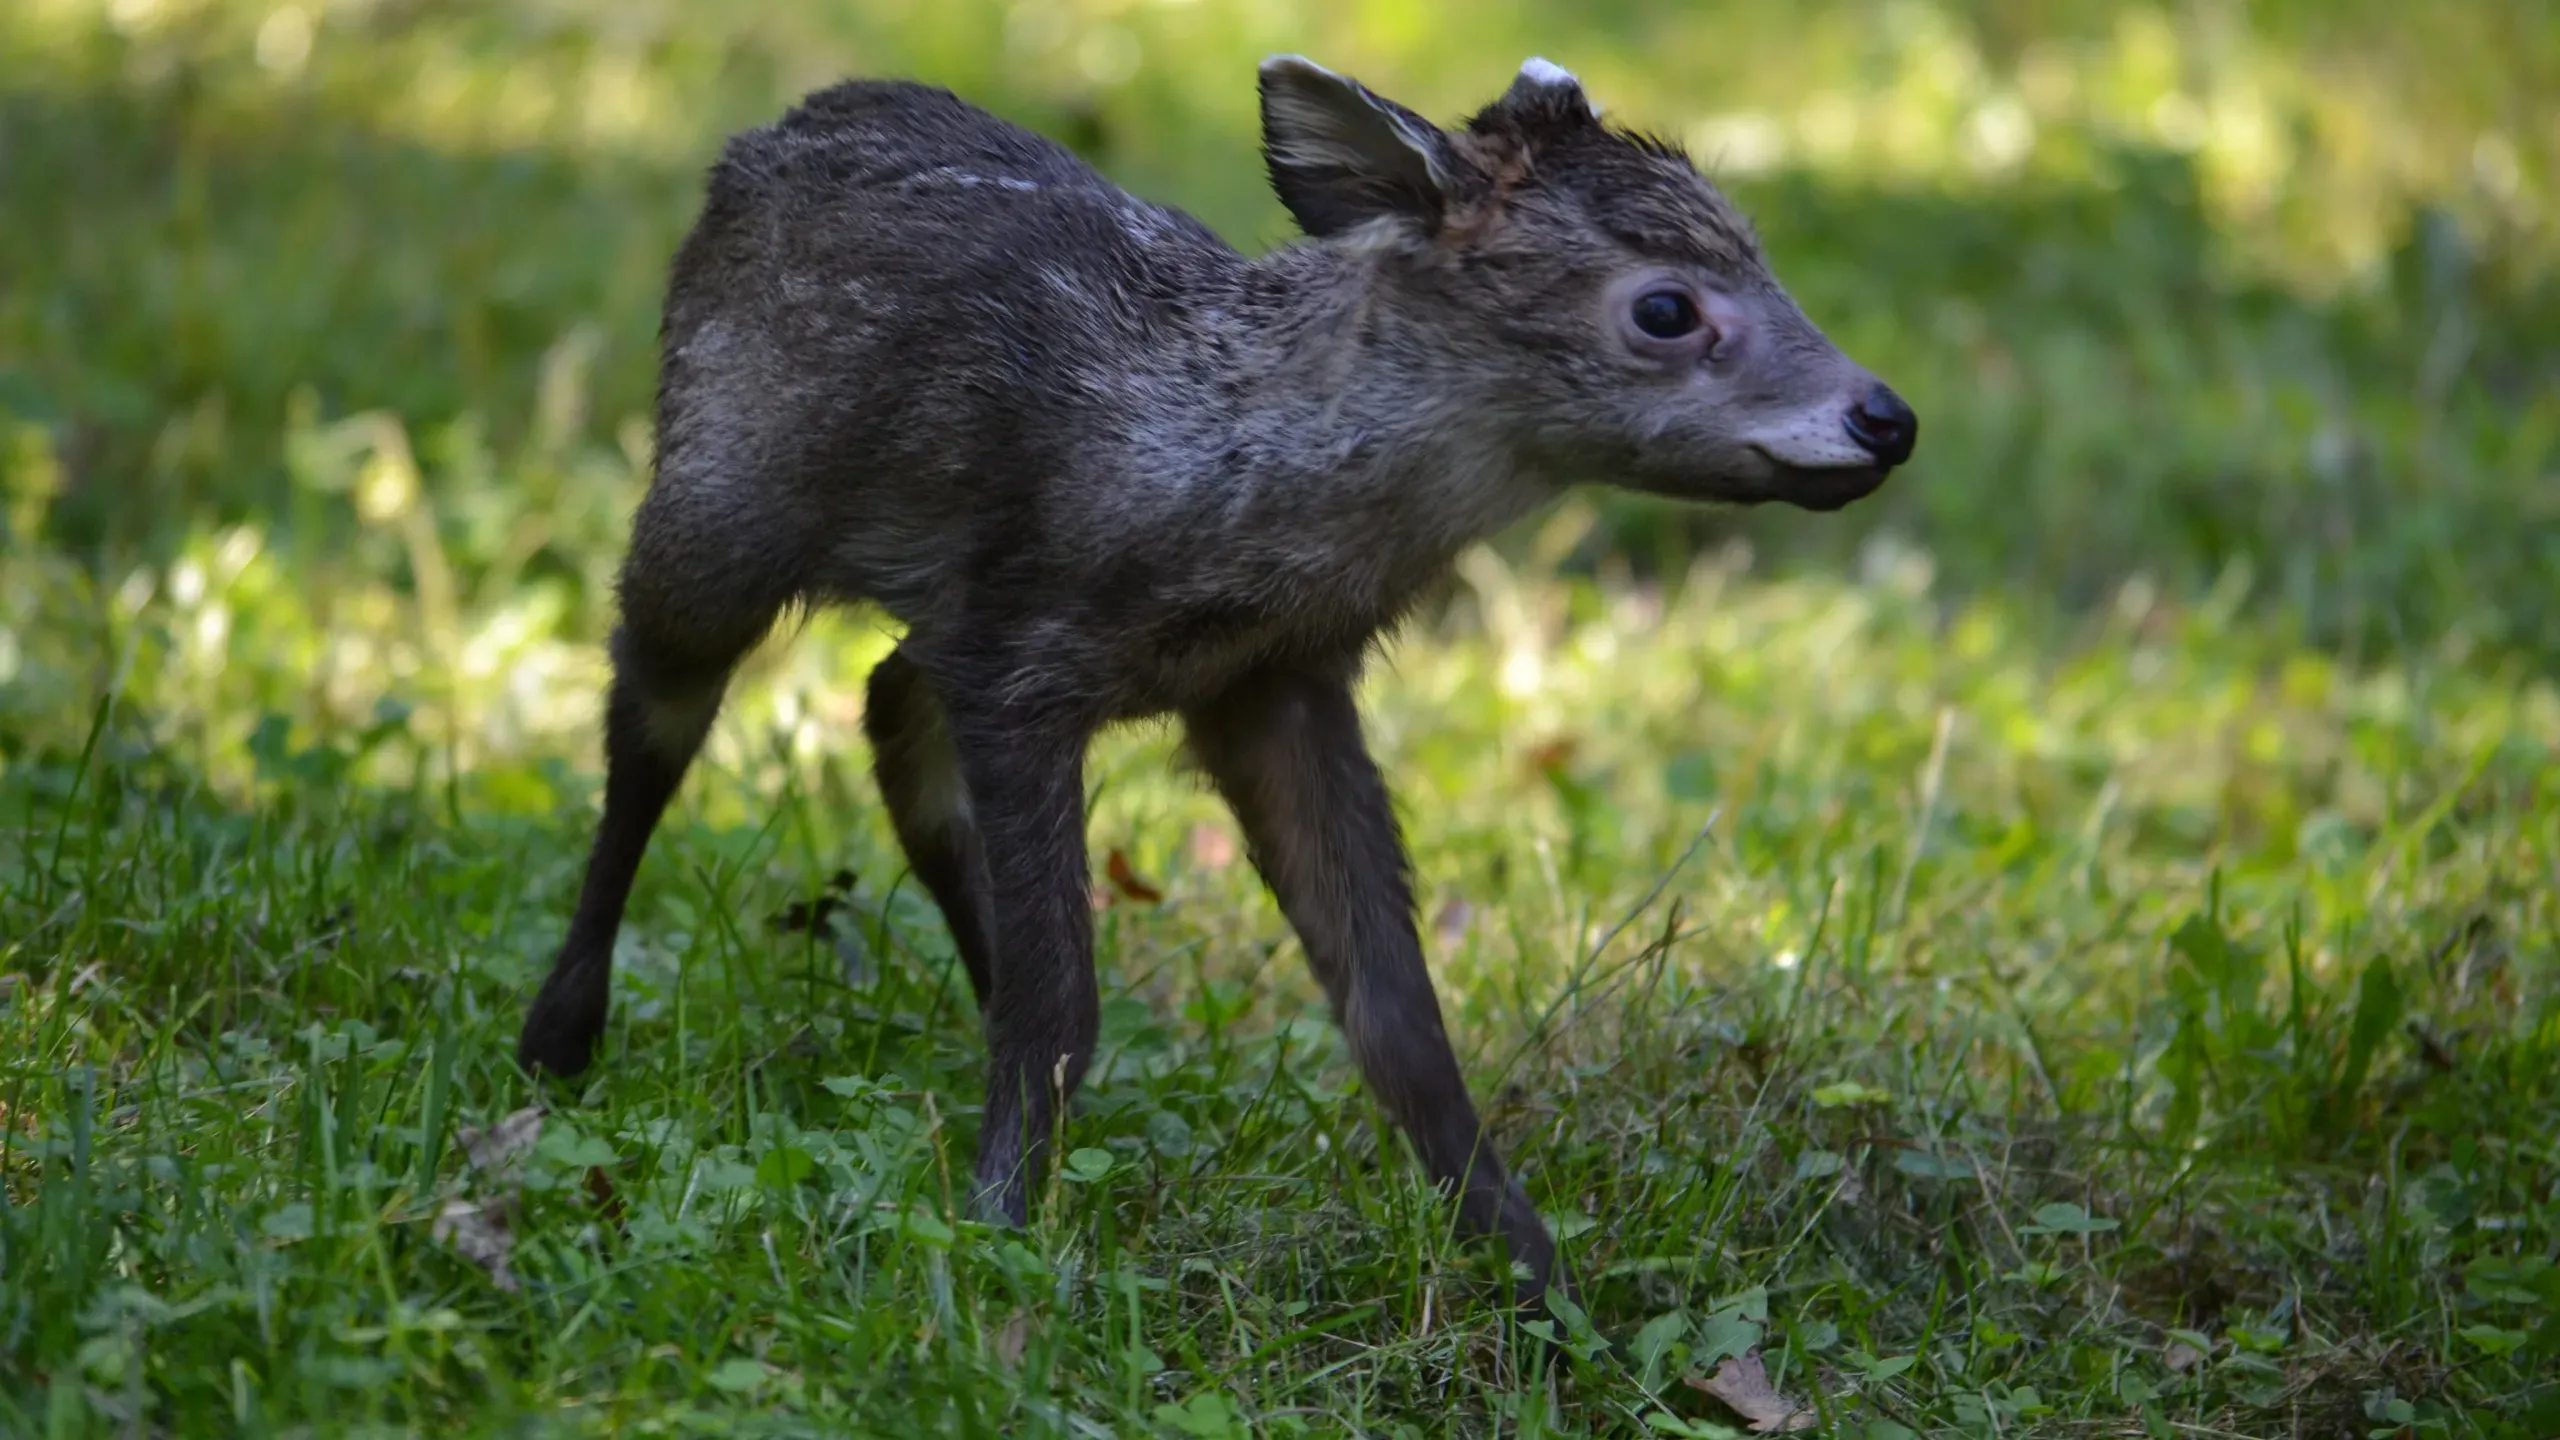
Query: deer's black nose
x=1885, y=426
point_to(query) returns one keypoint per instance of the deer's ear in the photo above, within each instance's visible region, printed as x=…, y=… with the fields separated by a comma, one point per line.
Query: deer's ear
x=1341, y=156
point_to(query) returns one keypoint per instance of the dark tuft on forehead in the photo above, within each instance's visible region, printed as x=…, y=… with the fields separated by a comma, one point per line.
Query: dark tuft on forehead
x=1640, y=189
x=1660, y=205
x=1660, y=147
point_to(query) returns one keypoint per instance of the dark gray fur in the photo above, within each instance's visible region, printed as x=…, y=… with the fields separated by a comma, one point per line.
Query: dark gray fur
x=1102, y=467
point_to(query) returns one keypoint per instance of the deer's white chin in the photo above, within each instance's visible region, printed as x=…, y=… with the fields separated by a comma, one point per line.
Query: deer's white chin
x=1826, y=486
x=1753, y=474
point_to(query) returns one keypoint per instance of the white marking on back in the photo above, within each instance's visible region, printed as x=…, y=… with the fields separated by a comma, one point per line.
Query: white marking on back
x=1140, y=226
x=954, y=175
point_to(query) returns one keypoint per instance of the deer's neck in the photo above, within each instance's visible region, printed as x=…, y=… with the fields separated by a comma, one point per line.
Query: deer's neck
x=1356, y=432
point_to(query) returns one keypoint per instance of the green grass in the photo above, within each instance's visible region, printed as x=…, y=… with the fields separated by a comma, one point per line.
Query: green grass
x=2038, y=1001
x=2068, y=946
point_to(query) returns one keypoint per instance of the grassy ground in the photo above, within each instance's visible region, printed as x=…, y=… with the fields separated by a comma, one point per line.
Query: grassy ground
x=2067, y=947
x=2117, y=1028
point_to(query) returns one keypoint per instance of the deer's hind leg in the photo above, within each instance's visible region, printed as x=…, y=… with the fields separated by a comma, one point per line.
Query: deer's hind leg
x=928, y=800
x=702, y=584
x=1005, y=825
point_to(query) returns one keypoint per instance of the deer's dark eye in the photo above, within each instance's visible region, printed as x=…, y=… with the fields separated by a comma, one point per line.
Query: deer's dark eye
x=1666, y=314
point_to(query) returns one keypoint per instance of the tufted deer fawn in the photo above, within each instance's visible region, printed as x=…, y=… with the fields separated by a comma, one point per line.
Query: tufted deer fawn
x=1102, y=466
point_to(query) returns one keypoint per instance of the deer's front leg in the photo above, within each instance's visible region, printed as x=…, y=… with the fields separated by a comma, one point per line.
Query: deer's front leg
x=1286, y=751
x=1024, y=768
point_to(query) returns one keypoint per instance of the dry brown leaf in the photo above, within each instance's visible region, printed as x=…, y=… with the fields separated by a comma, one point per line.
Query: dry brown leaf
x=478, y=1233
x=1741, y=1383
x=606, y=1199
x=1211, y=847
x=1010, y=1337
x=501, y=1146
x=1127, y=881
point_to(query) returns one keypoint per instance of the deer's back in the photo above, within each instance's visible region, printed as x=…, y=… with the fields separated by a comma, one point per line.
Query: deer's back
x=942, y=341
x=888, y=213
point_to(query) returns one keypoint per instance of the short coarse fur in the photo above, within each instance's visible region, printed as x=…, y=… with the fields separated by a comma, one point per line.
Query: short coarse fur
x=1102, y=466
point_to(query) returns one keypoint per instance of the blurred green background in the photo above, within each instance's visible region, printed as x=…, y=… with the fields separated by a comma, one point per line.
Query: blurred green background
x=352, y=302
